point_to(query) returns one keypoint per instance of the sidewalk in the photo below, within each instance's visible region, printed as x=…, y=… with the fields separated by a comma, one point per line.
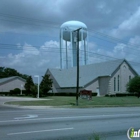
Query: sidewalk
x=3, y=100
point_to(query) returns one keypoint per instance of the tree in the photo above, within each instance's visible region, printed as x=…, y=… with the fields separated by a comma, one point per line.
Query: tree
x=2, y=72
x=29, y=83
x=34, y=90
x=134, y=85
x=46, y=84
x=9, y=72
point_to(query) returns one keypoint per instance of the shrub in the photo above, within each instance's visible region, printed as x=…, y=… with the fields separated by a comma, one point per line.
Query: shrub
x=63, y=94
x=112, y=95
x=94, y=93
x=4, y=93
x=11, y=92
x=124, y=94
x=16, y=91
x=107, y=95
x=24, y=92
x=121, y=94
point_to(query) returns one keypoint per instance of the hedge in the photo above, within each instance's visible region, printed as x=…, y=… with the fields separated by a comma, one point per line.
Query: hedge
x=61, y=94
x=121, y=95
x=94, y=93
x=16, y=92
x=4, y=93
x=125, y=94
x=66, y=94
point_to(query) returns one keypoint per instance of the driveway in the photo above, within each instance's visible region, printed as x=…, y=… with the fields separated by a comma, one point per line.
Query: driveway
x=3, y=100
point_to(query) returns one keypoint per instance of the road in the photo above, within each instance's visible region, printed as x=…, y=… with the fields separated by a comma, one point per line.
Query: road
x=67, y=124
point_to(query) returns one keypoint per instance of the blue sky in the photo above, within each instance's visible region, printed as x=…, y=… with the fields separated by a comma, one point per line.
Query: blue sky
x=29, y=31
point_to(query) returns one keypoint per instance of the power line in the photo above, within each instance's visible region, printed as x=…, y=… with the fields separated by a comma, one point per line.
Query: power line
x=56, y=48
x=113, y=39
x=123, y=49
x=92, y=36
x=28, y=23
x=31, y=49
x=15, y=17
x=56, y=26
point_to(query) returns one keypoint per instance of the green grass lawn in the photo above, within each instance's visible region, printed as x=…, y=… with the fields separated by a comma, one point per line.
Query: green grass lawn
x=59, y=101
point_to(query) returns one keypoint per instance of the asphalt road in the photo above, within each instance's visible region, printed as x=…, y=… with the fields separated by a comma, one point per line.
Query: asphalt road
x=67, y=124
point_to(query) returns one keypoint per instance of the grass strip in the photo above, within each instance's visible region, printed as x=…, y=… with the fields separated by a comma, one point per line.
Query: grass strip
x=59, y=101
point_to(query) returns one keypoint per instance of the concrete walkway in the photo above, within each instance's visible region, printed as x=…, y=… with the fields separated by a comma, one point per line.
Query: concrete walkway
x=3, y=100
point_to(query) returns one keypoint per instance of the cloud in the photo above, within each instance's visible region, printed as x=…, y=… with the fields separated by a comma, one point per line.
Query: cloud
x=43, y=19
x=128, y=26
x=129, y=51
x=134, y=42
x=50, y=44
x=45, y=16
x=36, y=60
x=28, y=50
x=33, y=60
x=119, y=48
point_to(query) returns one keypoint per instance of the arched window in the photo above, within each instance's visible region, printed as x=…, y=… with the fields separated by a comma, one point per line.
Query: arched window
x=114, y=83
x=129, y=77
x=124, y=67
x=118, y=83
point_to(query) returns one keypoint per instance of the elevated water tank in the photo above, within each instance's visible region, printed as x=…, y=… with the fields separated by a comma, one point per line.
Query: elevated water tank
x=68, y=39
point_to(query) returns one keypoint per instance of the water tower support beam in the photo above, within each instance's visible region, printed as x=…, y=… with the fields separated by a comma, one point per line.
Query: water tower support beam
x=66, y=56
x=71, y=47
x=60, y=50
x=85, y=58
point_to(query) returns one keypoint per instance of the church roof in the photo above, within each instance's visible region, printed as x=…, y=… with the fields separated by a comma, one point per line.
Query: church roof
x=87, y=73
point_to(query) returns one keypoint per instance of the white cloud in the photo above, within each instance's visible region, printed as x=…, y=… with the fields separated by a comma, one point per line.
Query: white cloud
x=30, y=50
x=92, y=46
x=44, y=18
x=50, y=45
x=135, y=42
x=128, y=26
x=33, y=60
x=129, y=51
x=119, y=48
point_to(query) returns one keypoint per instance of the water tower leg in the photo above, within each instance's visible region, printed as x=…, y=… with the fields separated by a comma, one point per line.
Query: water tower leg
x=61, y=46
x=82, y=44
x=71, y=50
x=60, y=52
x=74, y=51
x=85, y=58
x=66, y=56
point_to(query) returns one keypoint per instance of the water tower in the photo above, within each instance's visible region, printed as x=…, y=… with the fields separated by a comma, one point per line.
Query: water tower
x=68, y=39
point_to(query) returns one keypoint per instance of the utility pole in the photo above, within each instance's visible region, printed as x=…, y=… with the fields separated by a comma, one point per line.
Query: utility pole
x=77, y=83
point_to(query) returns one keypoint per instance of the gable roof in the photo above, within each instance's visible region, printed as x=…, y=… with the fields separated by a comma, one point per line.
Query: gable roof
x=8, y=79
x=87, y=73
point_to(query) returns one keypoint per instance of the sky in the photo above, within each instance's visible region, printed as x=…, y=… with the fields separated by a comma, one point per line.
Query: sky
x=29, y=32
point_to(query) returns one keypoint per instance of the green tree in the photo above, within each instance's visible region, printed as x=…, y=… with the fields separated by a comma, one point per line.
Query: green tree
x=45, y=85
x=24, y=76
x=34, y=90
x=134, y=85
x=9, y=72
x=2, y=74
x=29, y=83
